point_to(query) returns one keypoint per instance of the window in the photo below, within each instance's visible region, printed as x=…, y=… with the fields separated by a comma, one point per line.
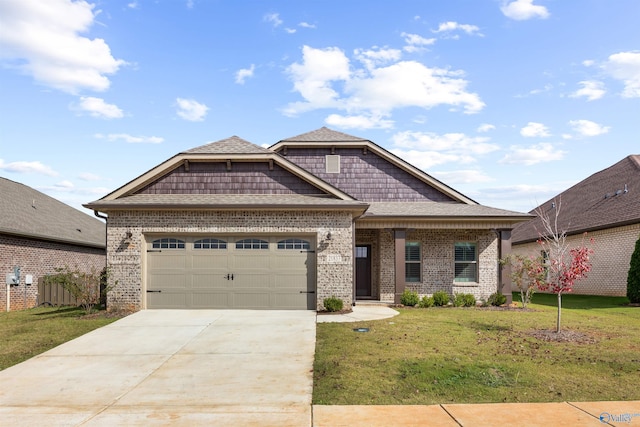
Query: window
x=168, y=244
x=252, y=244
x=466, y=262
x=294, y=244
x=209, y=244
x=412, y=262
x=362, y=252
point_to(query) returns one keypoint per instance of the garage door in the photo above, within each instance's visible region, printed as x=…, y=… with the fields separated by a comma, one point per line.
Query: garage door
x=255, y=272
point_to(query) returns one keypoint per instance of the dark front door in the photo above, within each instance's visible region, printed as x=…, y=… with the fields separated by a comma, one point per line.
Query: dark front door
x=363, y=271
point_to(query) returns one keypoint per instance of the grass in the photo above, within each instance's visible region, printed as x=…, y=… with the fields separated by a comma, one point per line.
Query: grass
x=468, y=355
x=30, y=332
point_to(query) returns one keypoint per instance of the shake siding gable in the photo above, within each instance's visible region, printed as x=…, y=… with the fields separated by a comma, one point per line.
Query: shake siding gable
x=366, y=177
x=243, y=178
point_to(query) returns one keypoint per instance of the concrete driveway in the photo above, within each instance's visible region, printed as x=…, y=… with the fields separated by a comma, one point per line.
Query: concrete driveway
x=171, y=367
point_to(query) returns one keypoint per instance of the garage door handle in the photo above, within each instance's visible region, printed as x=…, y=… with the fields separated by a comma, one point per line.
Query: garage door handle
x=152, y=250
x=152, y=291
x=307, y=252
x=307, y=292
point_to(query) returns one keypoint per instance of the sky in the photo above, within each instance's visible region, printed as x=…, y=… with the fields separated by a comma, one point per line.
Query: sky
x=510, y=102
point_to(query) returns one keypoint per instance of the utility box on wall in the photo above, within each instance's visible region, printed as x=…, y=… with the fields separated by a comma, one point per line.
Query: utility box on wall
x=12, y=279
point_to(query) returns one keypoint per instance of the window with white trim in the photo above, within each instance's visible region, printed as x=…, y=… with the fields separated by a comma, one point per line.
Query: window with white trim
x=412, y=262
x=209, y=244
x=168, y=243
x=466, y=262
x=293, y=244
x=252, y=244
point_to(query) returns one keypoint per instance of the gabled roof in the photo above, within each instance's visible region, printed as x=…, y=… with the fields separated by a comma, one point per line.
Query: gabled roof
x=230, y=150
x=325, y=137
x=26, y=212
x=609, y=198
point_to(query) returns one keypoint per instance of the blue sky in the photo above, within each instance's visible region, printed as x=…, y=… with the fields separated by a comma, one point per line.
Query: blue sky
x=509, y=102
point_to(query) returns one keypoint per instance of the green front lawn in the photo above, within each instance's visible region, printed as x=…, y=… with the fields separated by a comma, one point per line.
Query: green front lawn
x=30, y=332
x=469, y=355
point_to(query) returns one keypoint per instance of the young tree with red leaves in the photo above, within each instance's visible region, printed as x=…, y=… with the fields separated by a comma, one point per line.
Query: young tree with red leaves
x=565, y=265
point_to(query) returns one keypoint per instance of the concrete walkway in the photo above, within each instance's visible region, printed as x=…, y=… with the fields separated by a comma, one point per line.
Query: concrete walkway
x=360, y=313
x=171, y=367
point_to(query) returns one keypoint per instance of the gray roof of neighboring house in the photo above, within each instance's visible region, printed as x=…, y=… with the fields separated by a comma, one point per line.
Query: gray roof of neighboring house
x=29, y=213
x=609, y=198
x=438, y=210
x=227, y=201
x=232, y=145
x=325, y=134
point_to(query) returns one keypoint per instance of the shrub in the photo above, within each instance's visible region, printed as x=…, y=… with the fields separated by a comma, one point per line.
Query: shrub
x=332, y=304
x=464, y=300
x=409, y=298
x=497, y=299
x=88, y=288
x=440, y=298
x=426, y=302
x=633, y=278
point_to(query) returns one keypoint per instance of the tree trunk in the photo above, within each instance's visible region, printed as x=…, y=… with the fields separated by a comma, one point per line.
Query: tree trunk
x=559, y=312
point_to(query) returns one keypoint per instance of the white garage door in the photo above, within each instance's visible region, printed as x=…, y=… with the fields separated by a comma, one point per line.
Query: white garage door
x=256, y=272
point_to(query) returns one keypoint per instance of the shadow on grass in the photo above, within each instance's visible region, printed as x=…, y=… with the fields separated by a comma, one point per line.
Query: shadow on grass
x=484, y=326
x=63, y=311
x=580, y=302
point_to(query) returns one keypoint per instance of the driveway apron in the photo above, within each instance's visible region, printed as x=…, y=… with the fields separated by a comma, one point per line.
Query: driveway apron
x=171, y=367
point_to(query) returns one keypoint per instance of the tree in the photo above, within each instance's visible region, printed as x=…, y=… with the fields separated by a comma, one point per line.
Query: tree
x=528, y=273
x=633, y=278
x=84, y=287
x=565, y=265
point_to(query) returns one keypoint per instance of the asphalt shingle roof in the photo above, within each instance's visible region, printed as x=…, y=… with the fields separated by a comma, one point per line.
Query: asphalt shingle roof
x=608, y=198
x=437, y=210
x=324, y=134
x=29, y=213
x=232, y=145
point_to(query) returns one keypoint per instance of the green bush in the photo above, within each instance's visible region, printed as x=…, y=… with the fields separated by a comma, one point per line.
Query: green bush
x=332, y=304
x=497, y=299
x=464, y=300
x=426, y=302
x=633, y=278
x=409, y=298
x=440, y=298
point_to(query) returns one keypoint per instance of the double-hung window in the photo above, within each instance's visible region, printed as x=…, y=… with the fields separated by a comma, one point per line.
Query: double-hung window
x=466, y=262
x=412, y=262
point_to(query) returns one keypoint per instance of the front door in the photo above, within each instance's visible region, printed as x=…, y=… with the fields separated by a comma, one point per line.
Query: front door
x=363, y=271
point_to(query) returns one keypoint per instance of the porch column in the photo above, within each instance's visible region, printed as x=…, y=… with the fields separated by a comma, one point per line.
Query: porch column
x=504, y=272
x=400, y=237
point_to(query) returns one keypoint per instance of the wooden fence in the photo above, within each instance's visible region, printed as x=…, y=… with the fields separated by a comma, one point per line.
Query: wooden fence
x=54, y=294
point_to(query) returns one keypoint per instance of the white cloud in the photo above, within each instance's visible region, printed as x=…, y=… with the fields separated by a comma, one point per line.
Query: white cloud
x=244, y=73
x=538, y=153
x=588, y=128
x=273, y=19
x=485, y=127
x=133, y=5
x=87, y=176
x=64, y=185
x=521, y=10
x=450, y=26
x=533, y=129
x=191, y=110
x=27, y=167
x=42, y=39
x=427, y=159
x=306, y=25
x=465, y=176
x=325, y=79
x=290, y=30
x=591, y=89
x=450, y=142
x=130, y=138
x=358, y=122
x=416, y=43
x=625, y=66
x=588, y=62
x=96, y=107
x=375, y=56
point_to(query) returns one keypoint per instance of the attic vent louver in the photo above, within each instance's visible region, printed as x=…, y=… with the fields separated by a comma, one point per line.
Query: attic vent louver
x=332, y=163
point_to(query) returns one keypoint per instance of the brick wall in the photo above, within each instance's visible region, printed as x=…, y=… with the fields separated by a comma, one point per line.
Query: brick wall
x=39, y=258
x=334, y=257
x=437, y=248
x=610, y=261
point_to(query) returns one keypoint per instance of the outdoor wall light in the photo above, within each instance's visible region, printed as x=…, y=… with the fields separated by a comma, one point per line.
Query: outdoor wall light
x=328, y=235
x=127, y=237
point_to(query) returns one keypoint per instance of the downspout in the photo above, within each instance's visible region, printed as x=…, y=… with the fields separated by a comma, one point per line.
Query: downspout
x=106, y=218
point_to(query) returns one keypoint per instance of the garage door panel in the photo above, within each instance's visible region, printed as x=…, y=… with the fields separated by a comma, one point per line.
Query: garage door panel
x=209, y=280
x=290, y=300
x=211, y=299
x=169, y=280
x=167, y=299
x=245, y=299
x=210, y=261
x=247, y=261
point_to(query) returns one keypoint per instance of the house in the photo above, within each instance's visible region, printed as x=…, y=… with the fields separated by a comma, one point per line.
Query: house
x=39, y=234
x=233, y=225
x=606, y=205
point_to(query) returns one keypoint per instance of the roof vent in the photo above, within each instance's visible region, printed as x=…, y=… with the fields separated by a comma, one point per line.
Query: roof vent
x=332, y=163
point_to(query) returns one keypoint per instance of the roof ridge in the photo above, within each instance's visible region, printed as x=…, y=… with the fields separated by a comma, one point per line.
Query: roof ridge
x=324, y=134
x=232, y=145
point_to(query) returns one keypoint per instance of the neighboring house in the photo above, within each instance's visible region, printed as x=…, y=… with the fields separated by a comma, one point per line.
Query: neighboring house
x=234, y=225
x=39, y=234
x=606, y=206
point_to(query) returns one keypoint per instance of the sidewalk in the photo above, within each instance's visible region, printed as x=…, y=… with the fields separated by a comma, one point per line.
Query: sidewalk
x=568, y=414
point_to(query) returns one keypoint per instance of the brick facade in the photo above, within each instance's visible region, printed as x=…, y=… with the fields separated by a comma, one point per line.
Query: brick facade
x=39, y=258
x=610, y=261
x=437, y=251
x=127, y=260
